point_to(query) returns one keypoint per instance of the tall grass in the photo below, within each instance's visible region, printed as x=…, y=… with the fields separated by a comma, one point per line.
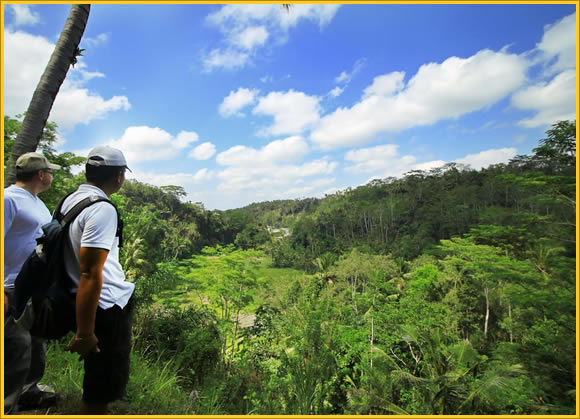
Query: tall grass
x=153, y=387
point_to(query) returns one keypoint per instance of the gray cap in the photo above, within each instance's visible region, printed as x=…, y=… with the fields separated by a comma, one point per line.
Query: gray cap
x=32, y=162
x=107, y=156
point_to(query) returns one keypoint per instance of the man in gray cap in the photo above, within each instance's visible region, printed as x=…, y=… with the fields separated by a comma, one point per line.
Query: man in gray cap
x=104, y=298
x=24, y=214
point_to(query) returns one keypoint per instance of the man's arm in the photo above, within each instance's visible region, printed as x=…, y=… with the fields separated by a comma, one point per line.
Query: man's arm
x=92, y=261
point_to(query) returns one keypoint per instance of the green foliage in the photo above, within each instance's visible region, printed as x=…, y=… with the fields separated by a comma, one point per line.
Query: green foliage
x=283, y=254
x=251, y=237
x=189, y=338
x=325, y=261
x=164, y=226
x=424, y=281
x=558, y=149
x=450, y=291
x=282, y=213
x=150, y=285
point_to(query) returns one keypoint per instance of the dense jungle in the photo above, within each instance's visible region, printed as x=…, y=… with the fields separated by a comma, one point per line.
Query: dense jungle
x=448, y=291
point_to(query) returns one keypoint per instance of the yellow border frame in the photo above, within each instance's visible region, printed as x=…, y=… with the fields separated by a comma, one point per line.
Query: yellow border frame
x=4, y=2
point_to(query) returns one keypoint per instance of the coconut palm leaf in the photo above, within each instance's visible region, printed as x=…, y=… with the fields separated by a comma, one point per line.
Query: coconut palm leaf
x=401, y=376
x=464, y=353
x=497, y=379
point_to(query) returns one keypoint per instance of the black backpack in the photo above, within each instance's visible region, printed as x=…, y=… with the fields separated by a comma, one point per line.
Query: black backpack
x=44, y=294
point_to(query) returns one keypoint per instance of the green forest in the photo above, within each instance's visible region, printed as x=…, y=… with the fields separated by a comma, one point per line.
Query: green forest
x=448, y=291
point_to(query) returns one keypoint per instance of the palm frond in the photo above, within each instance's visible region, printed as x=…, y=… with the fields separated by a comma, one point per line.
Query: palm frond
x=384, y=355
x=497, y=379
x=391, y=407
x=409, y=334
x=404, y=376
x=464, y=353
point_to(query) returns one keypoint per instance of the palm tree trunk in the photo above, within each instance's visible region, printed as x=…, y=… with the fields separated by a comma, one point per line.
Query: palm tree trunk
x=43, y=98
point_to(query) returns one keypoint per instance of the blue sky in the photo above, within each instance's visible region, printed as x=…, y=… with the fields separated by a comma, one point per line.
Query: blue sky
x=247, y=103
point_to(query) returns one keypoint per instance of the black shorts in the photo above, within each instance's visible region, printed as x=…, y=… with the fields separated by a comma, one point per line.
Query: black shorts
x=107, y=372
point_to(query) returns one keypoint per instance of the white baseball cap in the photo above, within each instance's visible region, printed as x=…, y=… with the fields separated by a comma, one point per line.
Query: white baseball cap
x=107, y=156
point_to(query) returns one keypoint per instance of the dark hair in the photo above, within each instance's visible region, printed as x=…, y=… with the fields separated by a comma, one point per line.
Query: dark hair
x=25, y=176
x=101, y=174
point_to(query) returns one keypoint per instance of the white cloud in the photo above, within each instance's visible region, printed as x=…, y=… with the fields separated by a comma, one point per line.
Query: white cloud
x=345, y=77
x=271, y=180
x=74, y=104
x=322, y=13
x=204, y=151
x=336, y=92
x=379, y=159
x=238, y=187
x=313, y=188
x=22, y=53
x=438, y=91
x=553, y=96
x=558, y=45
x=241, y=15
x=96, y=41
x=250, y=38
x=385, y=161
x=247, y=28
x=426, y=166
x=78, y=77
x=287, y=150
x=385, y=85
x=483, y=159
x=79, y=106
x=293, y=111
x=551, y=101
x=203, y=175
x=228, y=59
x=23, y=15
x=235, y=101
x=200, y=186
x=181, y=179
x=144, y=143
x=272, y=172
x=185, y=138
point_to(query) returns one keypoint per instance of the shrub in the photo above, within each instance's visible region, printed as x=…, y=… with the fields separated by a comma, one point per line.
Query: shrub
x=188, y=337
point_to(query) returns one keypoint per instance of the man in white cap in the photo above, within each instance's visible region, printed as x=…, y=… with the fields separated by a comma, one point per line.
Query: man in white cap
x=24, y=215
x=104, y=298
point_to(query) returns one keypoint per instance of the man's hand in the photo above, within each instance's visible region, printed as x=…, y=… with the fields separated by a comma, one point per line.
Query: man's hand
x=92, y=261
x=84, y=345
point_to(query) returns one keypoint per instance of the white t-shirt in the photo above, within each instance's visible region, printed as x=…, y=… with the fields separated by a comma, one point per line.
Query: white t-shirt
x=24, y=215
x=96, y=226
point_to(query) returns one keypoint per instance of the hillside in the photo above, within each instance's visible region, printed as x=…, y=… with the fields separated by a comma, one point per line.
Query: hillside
x=449, y=291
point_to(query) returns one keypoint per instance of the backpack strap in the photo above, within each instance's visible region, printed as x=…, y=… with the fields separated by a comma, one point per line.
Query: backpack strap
x=66, y=219
x=56, y=215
